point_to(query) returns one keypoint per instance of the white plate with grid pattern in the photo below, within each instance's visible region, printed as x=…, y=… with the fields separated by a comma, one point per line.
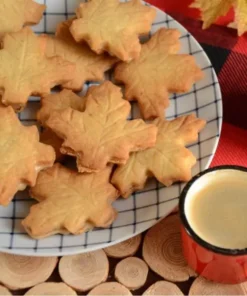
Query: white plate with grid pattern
x=144, y=208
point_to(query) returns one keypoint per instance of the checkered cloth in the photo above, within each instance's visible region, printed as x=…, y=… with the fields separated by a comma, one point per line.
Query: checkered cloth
x=228, y=54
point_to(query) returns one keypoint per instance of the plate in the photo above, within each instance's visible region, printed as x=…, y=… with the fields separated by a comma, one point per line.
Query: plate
x=143, y=209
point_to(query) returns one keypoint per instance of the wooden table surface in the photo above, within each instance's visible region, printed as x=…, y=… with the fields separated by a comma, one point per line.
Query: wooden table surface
x=152, y=278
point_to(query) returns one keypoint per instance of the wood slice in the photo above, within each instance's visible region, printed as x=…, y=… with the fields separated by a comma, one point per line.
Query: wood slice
x=51, y=289
x=85, y=271
x=4, y=291
x=110, y=288
x=124, y=249
x=132, y=272
x=202, y=286
x=21, y=272
x=163, y=288
x=162, y=250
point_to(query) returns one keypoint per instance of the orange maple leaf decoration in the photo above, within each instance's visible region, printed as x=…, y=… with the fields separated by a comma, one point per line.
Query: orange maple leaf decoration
x=17, y=13
x=87, y=196
x=112, y=26
x=212, y=9
x=158, y=71
x=25, y=70
x=168, y=161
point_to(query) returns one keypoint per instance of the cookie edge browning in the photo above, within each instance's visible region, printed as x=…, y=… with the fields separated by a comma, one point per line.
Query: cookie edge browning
x=33, y=16
x=112, y=61
x=99, y=49
x=89, y=224
x=150, y=132
x=104, y=61
x=35, y=11
x=43, y=114
x=48, y=137
x=64, y=70
x=121, y=72
x=45, y=157
x=126, y=191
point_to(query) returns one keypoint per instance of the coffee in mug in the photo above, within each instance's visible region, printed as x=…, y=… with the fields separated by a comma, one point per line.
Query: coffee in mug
x=213, y=212
x=216, y=208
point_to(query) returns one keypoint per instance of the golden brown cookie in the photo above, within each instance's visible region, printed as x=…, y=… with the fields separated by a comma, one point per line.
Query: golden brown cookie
x=169, y=161
x=112, y=26
x=158, y=71
x=25, y=70
x=48, y=137
x=69, y=201
x=89, y=65
x=101, y=134
x=17, y=13
x=58, y=102
x=22, y=156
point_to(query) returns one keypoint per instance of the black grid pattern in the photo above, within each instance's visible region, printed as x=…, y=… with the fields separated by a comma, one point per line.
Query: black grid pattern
x=144, y=208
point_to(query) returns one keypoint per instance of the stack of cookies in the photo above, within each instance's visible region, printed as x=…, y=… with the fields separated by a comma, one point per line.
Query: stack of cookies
x=114, y=156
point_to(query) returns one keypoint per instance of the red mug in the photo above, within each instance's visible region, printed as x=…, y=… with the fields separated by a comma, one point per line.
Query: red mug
x=218, y=264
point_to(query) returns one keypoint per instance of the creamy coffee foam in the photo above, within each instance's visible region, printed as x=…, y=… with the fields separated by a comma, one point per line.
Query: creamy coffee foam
x=216, y=208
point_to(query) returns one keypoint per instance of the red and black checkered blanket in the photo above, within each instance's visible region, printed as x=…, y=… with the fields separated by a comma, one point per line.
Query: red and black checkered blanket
x=228, y=54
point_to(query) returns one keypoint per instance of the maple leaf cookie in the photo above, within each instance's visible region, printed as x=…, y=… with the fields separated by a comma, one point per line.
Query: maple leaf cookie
x=22, y=155
x=112, y=26
x=89, y=65
x=169, y=161
x=70, y=202
x=48, y=137
x=58, y=102
x=25, y=70
x=17, y=13
x=101, y=134
x=158, y=71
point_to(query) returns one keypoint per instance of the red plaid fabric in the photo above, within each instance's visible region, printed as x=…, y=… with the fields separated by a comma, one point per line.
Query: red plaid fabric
x=228, y=54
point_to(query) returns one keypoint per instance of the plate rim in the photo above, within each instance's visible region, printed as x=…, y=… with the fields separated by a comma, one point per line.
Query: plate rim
x=77, y=250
